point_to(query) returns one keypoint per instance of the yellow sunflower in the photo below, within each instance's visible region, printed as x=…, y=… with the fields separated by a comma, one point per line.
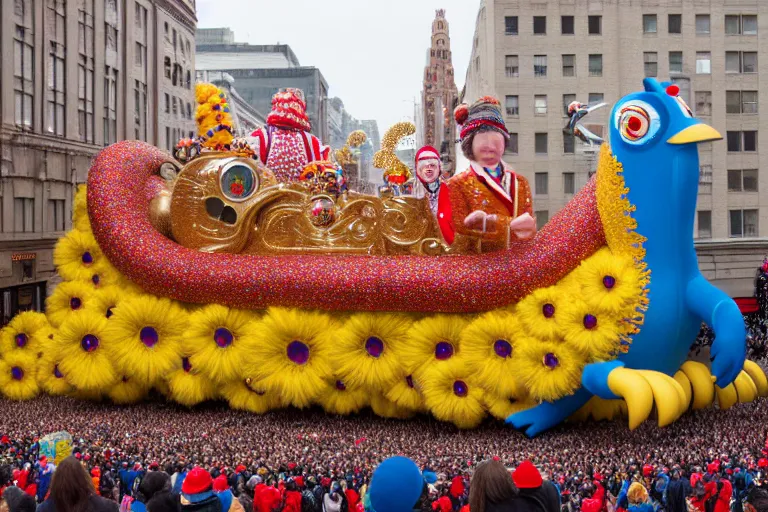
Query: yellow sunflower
x=366, y=351
x=106, y=299
x=49, y=376
x=86, y=353
x=17, y=375
x=188, y=386
x=128, y=391
x=502, y=407
x=77, y=256
x=388, y=409
x=597, y=335
x=21, y=333
x=147, y=333
x=550, y=370
x=217, y=343
x=44, y=341
x=490, y=345
x=80, y=211
x=290, y=357
x=405, y=393
x=451, y=393
x=609, y=282
x=107, y=275
x=337, y=398
x=247, y=395
x=434, y=340
x=68, y=299
x=540, y=312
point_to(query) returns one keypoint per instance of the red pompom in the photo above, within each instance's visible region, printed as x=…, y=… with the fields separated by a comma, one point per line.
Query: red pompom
x=490, y=99
x=461, y=113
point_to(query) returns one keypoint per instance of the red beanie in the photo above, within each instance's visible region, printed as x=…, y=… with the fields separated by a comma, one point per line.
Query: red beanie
x=647, y=470
x=198, y=480
x=526, y=476
x=220, y=483
x=240, y=469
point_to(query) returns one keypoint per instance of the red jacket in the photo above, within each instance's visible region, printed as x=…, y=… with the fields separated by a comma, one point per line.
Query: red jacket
x=723, y=503
x=292, y=501
x=444, y=504
x=266, y=499
x=457, y=486
x=352, y=498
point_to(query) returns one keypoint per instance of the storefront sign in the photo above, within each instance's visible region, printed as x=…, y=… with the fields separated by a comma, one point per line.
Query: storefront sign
x=24, y=256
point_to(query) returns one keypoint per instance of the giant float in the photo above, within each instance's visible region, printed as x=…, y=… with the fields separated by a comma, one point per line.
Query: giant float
x=209, y=280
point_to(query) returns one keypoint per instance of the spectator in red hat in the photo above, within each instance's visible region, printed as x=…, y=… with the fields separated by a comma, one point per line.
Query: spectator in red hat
x=197, y=492
x=266, y=497
x=534, y=491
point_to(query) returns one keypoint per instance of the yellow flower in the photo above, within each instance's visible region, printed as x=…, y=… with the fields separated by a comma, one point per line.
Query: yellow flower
x=217, y=343
x=107, y=275
x=489, y=346
x=49, y=376
x=502, y=407
x=105, y=300
x=388, y=409
x=337, y=398
x=17, y=375
x=80, y=211
x=451, y=393
x=405, y=393
x=366, y=351
x=86, y=353
x=247, y=395
x=611, y=283
x=23, y=333
x=77, y=256
x=434, y=341
x=147, y=332
x=550, y=370
x=290, y=357
x=596, y=335
x=188, y=386
x=68, y=299
x=128, y=391
x=540, y=312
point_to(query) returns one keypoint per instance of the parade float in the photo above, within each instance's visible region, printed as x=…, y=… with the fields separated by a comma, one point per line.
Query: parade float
x=213, y=279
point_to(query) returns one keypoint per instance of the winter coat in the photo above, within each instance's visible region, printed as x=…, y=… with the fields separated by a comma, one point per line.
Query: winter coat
x=675, y=500
x=96, y=504
x=724, y=495
x=292, y=501
x=332, y=506
x=267, y=499
x=457, y=486
x=510, y=505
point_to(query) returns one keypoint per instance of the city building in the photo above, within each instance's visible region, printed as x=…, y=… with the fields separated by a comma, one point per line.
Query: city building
x=205, y=36
x=78, y=75
x=246, y=119
x=538, y=56
x=262, y=70
x=439, y=95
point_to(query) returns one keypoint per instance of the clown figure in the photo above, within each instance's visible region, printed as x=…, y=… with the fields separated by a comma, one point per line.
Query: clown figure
x=429, y=183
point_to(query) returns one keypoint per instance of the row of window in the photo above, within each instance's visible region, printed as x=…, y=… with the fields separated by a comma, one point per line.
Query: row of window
x=24, y=215
x=741, y=223
x=177, y=105
x=735, y=24
x=512, y=103
x=178, y=75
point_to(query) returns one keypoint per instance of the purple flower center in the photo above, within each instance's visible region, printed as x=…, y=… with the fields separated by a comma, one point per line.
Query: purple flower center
x=89, y=343
x=109, y=312
x=75, y=303
x=17, y=373
x=590, y=321
x=57, y=373
x=298, y=352
x=340, y=386
x=609, y=282
x=460, y=388
x=502, y=348
x=186, y=365
x=125, y=379
x=21, y=340
x=87, y=258
x=409, y=381
x=548, y=310
x=95, y=279
x=443, y=351
x=149, y=336
x=551, y=361
x=374, y=346
x=223, y=337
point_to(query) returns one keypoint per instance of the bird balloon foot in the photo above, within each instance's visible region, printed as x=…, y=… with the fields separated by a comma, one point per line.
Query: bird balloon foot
x=641, y=389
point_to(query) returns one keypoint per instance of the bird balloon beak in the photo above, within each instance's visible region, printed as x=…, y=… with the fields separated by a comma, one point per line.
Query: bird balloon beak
x=699, y=132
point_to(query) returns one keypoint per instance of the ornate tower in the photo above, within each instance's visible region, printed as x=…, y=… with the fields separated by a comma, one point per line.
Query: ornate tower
x=439, y=95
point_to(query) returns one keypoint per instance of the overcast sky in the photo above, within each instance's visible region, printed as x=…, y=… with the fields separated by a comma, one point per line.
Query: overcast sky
x=372, y=53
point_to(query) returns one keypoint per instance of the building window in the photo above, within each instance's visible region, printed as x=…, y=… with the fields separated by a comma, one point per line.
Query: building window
x=189, y=111
x=512, y=146
x=734, y=141
x=703, y=63
x=188, y=81
x=510, y=25
x=541, y=143
x=140, y=110
x=168, y=144
x=24, y=215
x=139, y=55
x=167, y=67
x=741, y=102
x=542, y=217
x=56, y=218
x=85, y=71
x=741, y=62
x=567, y=100
x=541, y=183
x=23, y=63
x=175, y=110
x=595, y=25
x=740, y=25
x=595, y=98
x=569, y=183
x=139, y=19
x=569, y=65
x=742, y=180
x=749, y=62
x=743, y=223
x=649, y=23
x=675, y=23
x=675, y=62
x=569, y=144
x=703, y=103
x=705, y=179
x=651, y=61
x=540, y=65
x=540, y=25
x=512, y=106
x=566, y=25
x=705, y=224
x=110, y=105
x=540, y=105
x=56, y=90
x=167, y=104
x=749, y=25
x=702, y=24
x=749, y=102
x=742, y=141
x=596, y=65
x=511, y=66
x=750, y=140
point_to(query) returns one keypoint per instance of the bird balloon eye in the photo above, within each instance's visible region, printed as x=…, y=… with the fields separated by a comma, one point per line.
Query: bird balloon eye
x=237, y=180
x=637, y=122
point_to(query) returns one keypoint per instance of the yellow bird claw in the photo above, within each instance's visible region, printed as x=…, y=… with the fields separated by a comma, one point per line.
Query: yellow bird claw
x=636, y=391
x=685, y=385
x=758, y=377
x=702, y=384
x=667, y=394
x=727, y=396
x=745, y=388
